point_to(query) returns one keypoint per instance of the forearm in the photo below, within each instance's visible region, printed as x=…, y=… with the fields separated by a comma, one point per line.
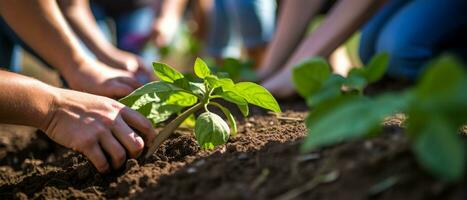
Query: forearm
x=24, y=101
x=80, y=17
x=41, y=25
x=342, y=21
x=170, y=16
x=173, y=9
x=293, y=22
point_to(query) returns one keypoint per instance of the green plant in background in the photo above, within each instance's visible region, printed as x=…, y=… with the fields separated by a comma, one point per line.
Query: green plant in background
x=237, y=69
x=436, y=107
x=177, y=94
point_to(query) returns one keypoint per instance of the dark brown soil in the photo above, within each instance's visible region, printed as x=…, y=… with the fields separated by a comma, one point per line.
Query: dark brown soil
x=263, y=162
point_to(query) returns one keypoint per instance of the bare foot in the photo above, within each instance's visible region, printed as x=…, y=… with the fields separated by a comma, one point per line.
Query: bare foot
x=280, y=85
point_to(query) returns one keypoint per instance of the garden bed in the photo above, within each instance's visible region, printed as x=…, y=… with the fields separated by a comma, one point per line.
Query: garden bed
x=262, y=162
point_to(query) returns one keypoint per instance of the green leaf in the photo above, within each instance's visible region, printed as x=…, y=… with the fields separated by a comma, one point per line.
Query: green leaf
x=160, y=106
x=233, y=67
x=440, y=150
x=225, y=83
x=377, y=67
x=191, y=87
x=233, y=97
x=309, y=76
x=230, y=118
x=257, y=95
x=181, y=99
x=435, y=81
x=356, y=82
x=153, y=87
x=201, y=69
x=331, y=88
x=211, y=130
x=166, y=73
x=356, y=117
x=244, y=109
x=189, y=122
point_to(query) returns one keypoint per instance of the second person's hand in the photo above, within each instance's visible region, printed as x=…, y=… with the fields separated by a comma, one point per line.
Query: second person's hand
x=98, y=78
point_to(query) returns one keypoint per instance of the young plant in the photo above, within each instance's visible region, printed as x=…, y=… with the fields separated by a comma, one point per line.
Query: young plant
x=435, y=109
x=177, y=94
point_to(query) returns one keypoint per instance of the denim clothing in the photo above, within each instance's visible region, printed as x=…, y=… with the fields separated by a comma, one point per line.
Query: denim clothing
x=413, y=32
x=131, y=28
x=253, y=21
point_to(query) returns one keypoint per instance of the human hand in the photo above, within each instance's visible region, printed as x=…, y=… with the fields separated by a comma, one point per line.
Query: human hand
x=163, y=31
x=127, y=61
x=98, y=78
x=93, y=125
x=280, y=84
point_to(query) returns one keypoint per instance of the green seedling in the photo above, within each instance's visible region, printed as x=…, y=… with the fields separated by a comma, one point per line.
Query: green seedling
x=436, y=107
x=181, y=95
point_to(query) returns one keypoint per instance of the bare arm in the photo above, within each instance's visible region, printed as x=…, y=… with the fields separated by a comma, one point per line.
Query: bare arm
x=343, y=20
x=81, y=19
x=79, y=15
x=83, y=122
x=167, y=22
x=295, y=16
x=23, y=100
x=42, y=26
x=40, y=22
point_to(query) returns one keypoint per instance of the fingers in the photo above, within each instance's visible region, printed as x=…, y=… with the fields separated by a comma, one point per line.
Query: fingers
x=97, y=158
x=145, y=71
x=132, y=82
x=140, y=123
x=128, y=138
x=113, y=148
x=117, y=89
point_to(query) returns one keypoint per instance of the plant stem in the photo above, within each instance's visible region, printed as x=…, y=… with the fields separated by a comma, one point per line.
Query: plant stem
x=169, y=129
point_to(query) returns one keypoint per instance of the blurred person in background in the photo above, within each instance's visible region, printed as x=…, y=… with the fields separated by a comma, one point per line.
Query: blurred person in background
x=411, y=31
x=236, y=25
x=90, y=124
x=58, y=47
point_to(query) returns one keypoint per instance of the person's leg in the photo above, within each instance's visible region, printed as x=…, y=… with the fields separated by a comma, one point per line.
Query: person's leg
x=255, y=21
x=373, y=27
x=219, y=30
x=420, y=31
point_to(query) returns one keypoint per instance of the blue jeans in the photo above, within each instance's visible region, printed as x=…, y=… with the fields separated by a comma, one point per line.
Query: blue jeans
x=413, y=32
x=252, y=20
x=10, y=46
x=130, y=26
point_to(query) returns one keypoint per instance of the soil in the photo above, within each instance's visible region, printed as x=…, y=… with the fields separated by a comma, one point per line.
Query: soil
x=262, y=162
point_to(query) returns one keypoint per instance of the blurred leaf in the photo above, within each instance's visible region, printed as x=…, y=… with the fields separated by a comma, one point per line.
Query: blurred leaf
x=440, y=150
x=189, y=122
x=356, y=117
x=308, y=76
x=331, y=88
x=377, y=67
